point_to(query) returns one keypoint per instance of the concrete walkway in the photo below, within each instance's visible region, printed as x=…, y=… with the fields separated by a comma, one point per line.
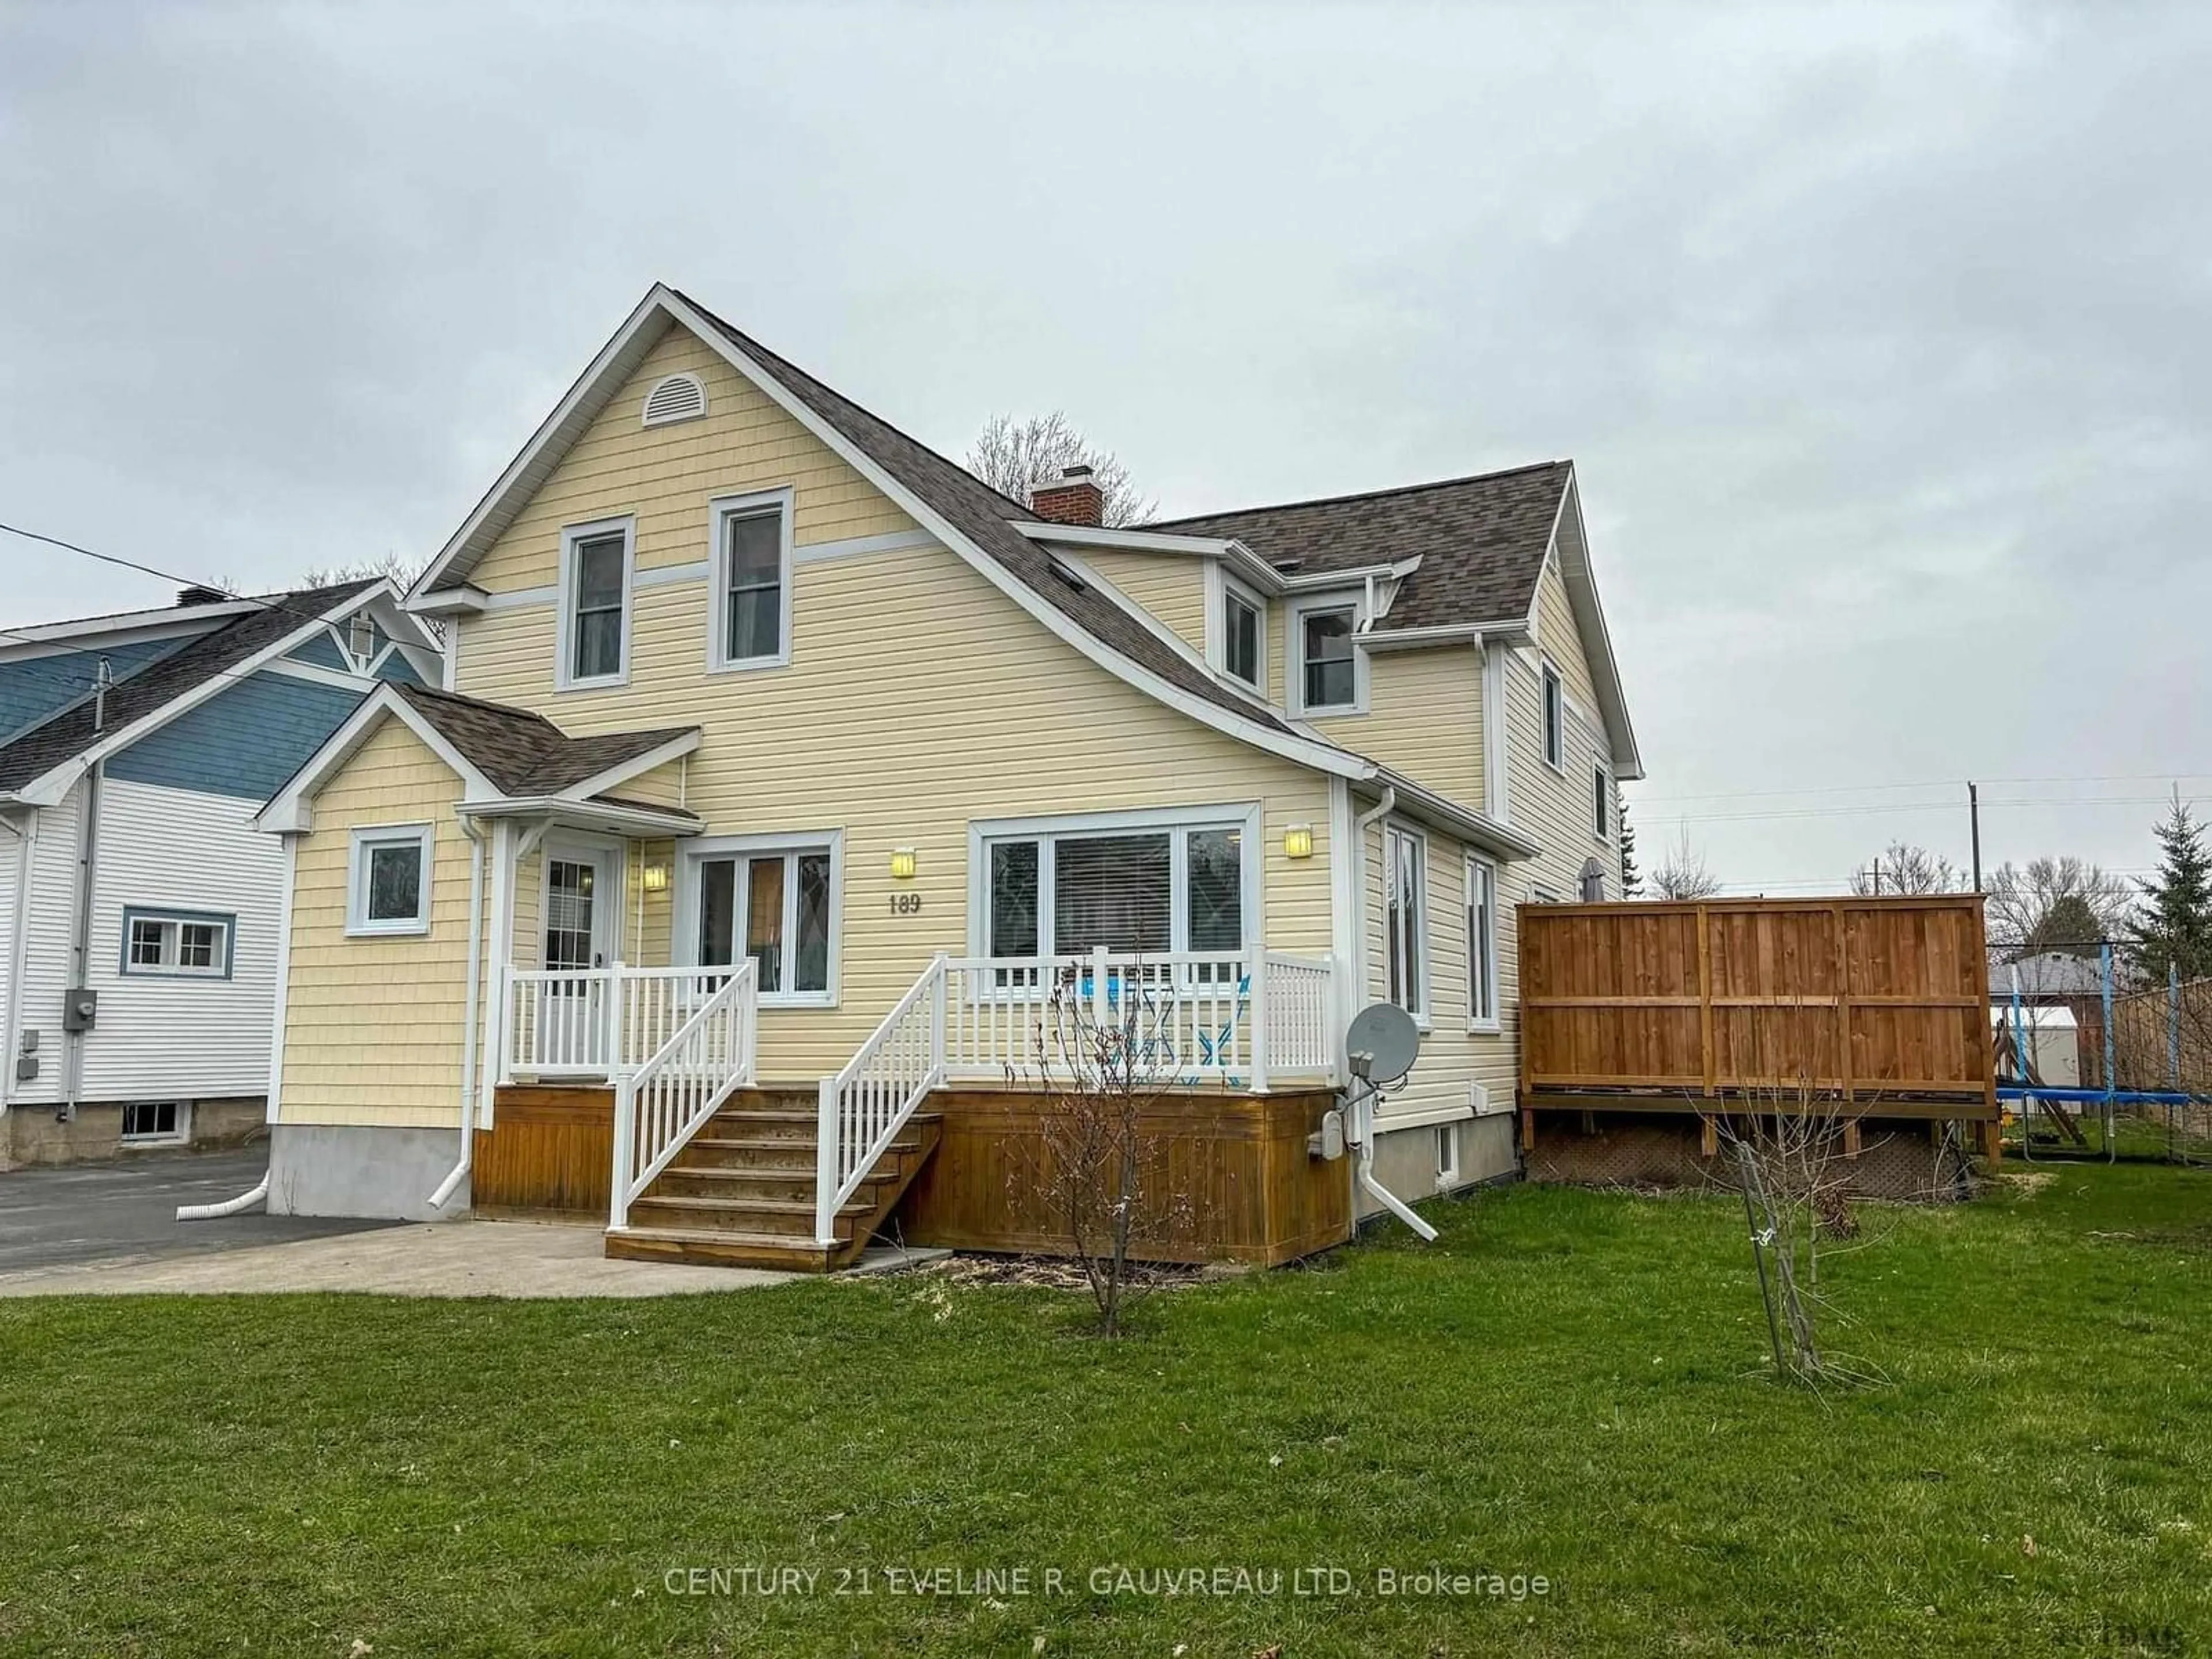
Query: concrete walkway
x=453, y=1258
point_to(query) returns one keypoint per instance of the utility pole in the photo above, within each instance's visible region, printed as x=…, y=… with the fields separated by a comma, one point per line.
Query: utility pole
x=1974, y=814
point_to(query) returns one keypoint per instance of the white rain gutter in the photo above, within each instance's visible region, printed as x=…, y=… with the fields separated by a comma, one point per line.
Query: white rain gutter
x=1363, y=1110
x=460, y=1170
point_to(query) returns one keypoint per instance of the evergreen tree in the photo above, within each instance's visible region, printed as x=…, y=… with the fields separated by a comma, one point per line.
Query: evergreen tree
x=2173, y=925
x=1632, y=879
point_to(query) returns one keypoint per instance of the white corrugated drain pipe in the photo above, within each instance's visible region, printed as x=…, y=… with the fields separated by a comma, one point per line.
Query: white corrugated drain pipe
x=460, y=1170
x=1363, y=1110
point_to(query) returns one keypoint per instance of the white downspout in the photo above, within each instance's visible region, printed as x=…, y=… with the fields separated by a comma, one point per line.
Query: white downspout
x=1363, y=1110
x=11, y=1018
x=80, y=975
x=470, y=996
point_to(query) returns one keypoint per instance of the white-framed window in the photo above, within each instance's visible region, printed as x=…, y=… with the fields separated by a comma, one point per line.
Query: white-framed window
x=775, y=900
x=1142, y=882
x=388, y=879
x=177, y=944
x=596, y=567
x=1601, y=803
x=751, y=621
x=1327, y=670
x=1542, y=895
x=1555, y=719
x=1244, y=634
x=153, y=1122
x=1447, y=1156
x=1481, y=945
x=1405, y=919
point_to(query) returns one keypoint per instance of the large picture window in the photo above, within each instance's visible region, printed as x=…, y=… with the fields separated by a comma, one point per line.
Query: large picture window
x=776, y=906
x=752, y=581
x=1138, y=888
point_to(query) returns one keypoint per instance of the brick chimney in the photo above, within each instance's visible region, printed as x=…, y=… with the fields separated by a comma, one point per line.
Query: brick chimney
x=1073, y=498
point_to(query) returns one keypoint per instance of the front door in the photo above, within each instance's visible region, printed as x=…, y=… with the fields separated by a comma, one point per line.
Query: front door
x=582, y=911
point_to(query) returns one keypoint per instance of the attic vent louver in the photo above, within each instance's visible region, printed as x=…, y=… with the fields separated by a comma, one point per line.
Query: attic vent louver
x=679, y=397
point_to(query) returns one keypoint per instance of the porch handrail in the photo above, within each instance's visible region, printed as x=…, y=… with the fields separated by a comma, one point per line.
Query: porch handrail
x=868, y=1102
x=660, y=1104
x=595, y=1022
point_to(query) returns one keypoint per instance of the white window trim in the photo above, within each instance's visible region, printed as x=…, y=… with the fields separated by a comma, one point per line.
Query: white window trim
x=172, y=923
x=719, y=511
x=1398, y=827
x=358, y=926
x=1218, y=587
x=1550, y=684
x=1244, y=817
x=1447, y=1172
x=1491, y=1024
x=690, y=889
x=564, y=679
x=1601, y=790
x=1294, y=665
x=178, y=1135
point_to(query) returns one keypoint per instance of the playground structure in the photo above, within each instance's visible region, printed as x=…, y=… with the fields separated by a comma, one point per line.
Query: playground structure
x=2155, y=1100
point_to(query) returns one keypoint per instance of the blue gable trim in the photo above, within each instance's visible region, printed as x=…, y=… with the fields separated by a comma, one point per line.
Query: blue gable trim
x=33, y=688
x=322, y=651
x=245, y=741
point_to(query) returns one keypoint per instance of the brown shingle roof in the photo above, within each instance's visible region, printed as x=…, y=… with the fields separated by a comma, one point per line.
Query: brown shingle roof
x=1481, y=540
x=524, y=754
x=980, y=514
x=68, y=734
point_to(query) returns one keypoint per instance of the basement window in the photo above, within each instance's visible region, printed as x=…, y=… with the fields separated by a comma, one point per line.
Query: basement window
x=150, y=1122
x=177, y=944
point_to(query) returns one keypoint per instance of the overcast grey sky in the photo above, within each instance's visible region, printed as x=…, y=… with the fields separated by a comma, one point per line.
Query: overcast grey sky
x=1883, y=338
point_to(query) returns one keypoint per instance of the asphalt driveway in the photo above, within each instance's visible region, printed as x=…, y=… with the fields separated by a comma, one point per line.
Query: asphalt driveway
x=86, y=1213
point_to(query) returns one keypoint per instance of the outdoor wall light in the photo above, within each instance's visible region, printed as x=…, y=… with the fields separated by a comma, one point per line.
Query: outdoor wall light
x=1297, y=841
x=656, y=878
x=903, y=863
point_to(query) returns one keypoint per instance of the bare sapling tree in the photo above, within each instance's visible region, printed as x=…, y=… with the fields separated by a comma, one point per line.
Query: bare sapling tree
x=1903, y=869
x=1105, y=1054
x=1682, y=873
x=1011, y=455
x=2064, y=904
x=393, y=566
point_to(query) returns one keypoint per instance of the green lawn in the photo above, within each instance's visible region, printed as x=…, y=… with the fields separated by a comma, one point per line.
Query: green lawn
x=1568, y=1385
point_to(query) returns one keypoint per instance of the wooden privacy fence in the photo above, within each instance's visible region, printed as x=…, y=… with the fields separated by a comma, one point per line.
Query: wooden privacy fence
x=1858, y=998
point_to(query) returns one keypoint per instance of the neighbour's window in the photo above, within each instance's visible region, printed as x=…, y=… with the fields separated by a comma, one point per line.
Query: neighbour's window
x=776, y=908
x=389, y=883
x=1555, y=719
x=752, y=581
x=1136, y=892
x=597, y=578
x=1242, y=630
x=151, y=1120
x=1481, y=943
x=1601, y=803
x=190, y=944
x=1328, y=675
x=1404, y=915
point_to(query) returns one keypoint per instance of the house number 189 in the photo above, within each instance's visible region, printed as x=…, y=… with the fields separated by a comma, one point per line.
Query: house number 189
x=906, y=904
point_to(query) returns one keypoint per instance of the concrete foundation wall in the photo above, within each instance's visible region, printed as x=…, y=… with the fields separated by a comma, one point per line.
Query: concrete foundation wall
x=327, y=1168
x=1406, y=1159
x=31, y=1133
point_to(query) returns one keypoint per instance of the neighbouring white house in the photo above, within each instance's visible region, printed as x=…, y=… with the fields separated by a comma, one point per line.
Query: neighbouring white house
x=138, y=906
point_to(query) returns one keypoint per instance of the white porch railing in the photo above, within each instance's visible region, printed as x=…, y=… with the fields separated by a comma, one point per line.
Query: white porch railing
x=1194, y=1017
x=662, y=1103
x=596, y=1022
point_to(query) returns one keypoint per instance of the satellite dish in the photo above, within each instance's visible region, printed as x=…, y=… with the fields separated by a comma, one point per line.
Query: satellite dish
x=1382, y=1042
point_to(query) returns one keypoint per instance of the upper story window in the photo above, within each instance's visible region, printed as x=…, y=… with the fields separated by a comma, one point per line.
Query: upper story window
x=185, y=943
x=1601, y=804
x=1555, y=719
x=595, y=595
x=1326, y=668
x=388, y=879
x=752, y=579
x=1244, y=634
x=1405, y=919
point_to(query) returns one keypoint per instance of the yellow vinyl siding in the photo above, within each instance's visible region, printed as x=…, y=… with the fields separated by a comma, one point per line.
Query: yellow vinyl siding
x=664, y=785
x=1424, y=718
x=1169, y=585
x=1554, y=807
x=666, y=475
x=373, y=1026
x=919, y=697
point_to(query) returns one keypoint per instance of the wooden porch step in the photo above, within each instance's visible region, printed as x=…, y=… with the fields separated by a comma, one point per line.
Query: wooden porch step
x=718, y=1248
x=750, y=1215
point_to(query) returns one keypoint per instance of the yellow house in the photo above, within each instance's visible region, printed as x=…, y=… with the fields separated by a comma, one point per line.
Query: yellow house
x=782, y=772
